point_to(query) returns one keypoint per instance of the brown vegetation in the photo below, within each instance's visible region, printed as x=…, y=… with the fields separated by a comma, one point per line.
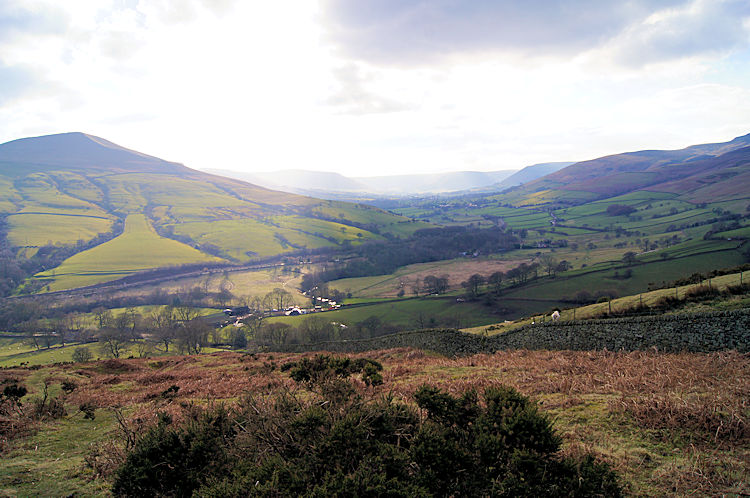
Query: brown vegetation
x=668, y=423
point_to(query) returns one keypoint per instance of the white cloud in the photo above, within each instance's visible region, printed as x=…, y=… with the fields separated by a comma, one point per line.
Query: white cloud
x=265, y=85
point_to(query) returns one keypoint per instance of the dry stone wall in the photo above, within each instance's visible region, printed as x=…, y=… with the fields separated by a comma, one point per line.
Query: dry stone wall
x=695, y=332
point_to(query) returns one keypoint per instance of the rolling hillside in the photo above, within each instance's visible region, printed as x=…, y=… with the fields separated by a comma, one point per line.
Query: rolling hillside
x=526, y=175
x=69, y=189
x=700, y=173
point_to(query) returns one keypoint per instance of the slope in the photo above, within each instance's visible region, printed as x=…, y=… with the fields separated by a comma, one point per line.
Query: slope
x=74, y=189
x=138, y=248
x=530, y=173
x=685, y=171
x=305, y=181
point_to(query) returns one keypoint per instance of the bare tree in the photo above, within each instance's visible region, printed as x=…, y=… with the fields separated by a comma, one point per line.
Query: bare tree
x=416, y=287
x=280, y=298
x=103, y=317
x=274, y=333
x=112, y=342
x=193, y=335
x=549, y=263
x=162, y=324
x=472, y=284
x=186, y=313
x=496, y=281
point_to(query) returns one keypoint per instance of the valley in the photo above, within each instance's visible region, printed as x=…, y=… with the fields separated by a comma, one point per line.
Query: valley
x=158, y=289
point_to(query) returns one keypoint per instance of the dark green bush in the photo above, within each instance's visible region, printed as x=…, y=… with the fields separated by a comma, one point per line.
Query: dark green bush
x=68, y=386
x=333, y=442
x=176, y=461
x=14, y=393
x=314, y=370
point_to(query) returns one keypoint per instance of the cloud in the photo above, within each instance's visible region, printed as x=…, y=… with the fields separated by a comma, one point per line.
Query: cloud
x=705, y=27
x=16, y=82
x=354, y=97
x=186, y=11
x=419, y=31
x=17, y=18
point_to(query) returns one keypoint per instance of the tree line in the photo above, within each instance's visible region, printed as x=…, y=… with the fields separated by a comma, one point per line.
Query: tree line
x=432, y=244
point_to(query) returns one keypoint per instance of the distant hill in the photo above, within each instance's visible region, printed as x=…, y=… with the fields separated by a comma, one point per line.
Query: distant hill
x=321, y=182
x=699, y=173
x=68, y=189
x=525, y=175
x=433, y=183
x=297, y=180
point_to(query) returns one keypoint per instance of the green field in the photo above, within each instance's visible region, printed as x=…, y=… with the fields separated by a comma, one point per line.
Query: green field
x=652, y=272
x=62, y=205
x=408, y=313
x=36, y=230
x=138, y=248
x=649, y=298
x=244, y=285
x=455, y=270
x=244, y=239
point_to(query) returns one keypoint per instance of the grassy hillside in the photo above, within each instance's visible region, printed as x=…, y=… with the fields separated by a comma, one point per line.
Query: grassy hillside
x=138, y=248
x=65, y=190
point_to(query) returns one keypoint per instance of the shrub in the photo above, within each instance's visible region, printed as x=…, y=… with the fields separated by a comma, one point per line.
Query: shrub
x=68, y=386
x=88, y=409
x=82, y=354
x=701, y=292
x=175, y=461
x=322, y=367
x=311, y=444
x=13, y=393
x=46, y=407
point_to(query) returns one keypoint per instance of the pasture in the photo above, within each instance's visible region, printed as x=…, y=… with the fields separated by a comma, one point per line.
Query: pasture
x=658, y=271
x=39, y=229
x=138, y=248
x=407, y=314
x=456, y=270
x=244, y=285
x=615, y=305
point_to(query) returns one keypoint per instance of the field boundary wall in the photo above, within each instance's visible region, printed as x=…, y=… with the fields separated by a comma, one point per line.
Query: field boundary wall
x=695, y=332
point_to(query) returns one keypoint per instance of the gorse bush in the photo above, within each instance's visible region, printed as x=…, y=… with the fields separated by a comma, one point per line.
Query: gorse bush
x=331, y=441
x=320, y=367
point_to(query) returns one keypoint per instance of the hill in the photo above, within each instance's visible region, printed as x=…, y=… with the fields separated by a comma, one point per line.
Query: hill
x=297, y=180
x=524, y=175
x=433, y=183
x=75, y=190
x=686, y=171
x=323, y=182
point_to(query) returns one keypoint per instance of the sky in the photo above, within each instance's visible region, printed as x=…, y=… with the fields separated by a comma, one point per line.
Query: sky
x=377, y=87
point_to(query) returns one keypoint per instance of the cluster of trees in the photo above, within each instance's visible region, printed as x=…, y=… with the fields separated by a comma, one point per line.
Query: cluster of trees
x=313, y=329
x=126, y=332
x=430, y=284
x=620, y=210
x=328, y=440
x=434, y=244
x=515, y=276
